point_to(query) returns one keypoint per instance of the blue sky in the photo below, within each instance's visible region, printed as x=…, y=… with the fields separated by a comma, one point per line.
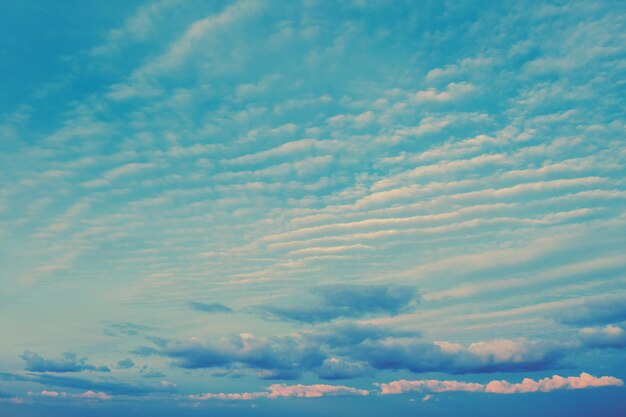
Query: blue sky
x=312, y=208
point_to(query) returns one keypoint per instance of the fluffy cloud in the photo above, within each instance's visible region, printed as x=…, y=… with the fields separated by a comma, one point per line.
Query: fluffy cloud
x=350, y=301
x=69, y=362
x=95, y=395
x=282, y=390
x=550, y=384
x=557, y=382
x=428, y=385
x=91, y=395
x=453, y=91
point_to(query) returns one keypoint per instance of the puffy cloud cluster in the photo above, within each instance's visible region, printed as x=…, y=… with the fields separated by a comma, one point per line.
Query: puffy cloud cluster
x=556, y=382
x=90, y=395
x=317, y=390
x=343, y=350
x=506, y=355
x=428, y=385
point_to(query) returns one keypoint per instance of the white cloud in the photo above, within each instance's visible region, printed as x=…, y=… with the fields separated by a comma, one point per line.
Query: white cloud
x=453, y=91
x=95, y=395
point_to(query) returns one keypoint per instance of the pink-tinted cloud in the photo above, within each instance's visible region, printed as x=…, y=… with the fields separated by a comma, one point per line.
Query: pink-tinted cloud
x=556, y=382
x=428, y=385
x=282, y=390
x=317, y=390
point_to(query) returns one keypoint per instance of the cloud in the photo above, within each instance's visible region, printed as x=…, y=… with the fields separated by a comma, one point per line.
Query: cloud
x=344, y=300
x=209, y=307
x=343, y=351
x=527, y=385
x=318, y=390
x=452, y=92
x=550, y=384
x=69, y=362
x=110, y=386
x=608, y=336
x=125, y=364
x=287, y=391
x=501, y=355
x=125, y=329
x=274, y=354
x=609, y=310
x=340, y=368
x=95, y=395
x=91, y=395
x=6, y=398
x=428, y=385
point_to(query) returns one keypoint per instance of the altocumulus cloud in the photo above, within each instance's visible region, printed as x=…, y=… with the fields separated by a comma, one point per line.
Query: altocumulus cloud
x=350, y=301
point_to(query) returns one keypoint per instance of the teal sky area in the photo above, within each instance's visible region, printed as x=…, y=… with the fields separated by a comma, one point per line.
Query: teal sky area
x=312, y=207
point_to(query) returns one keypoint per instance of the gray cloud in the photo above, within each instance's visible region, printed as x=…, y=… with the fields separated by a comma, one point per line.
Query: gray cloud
x=343, y=351
x=342, y=300
x=605, y=311
x=68, y=362
x=209, y=307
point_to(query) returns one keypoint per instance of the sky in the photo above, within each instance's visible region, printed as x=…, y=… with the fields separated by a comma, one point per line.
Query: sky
x=315, y=207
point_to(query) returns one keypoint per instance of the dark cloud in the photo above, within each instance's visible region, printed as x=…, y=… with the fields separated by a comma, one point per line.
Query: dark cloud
x=609, y=310
x=125, y=364
x=147, y=372
x=344, y=350
x=289, y=353
x=69, y=362
x=350, y=301
x=504, y=355
x=209, y=307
